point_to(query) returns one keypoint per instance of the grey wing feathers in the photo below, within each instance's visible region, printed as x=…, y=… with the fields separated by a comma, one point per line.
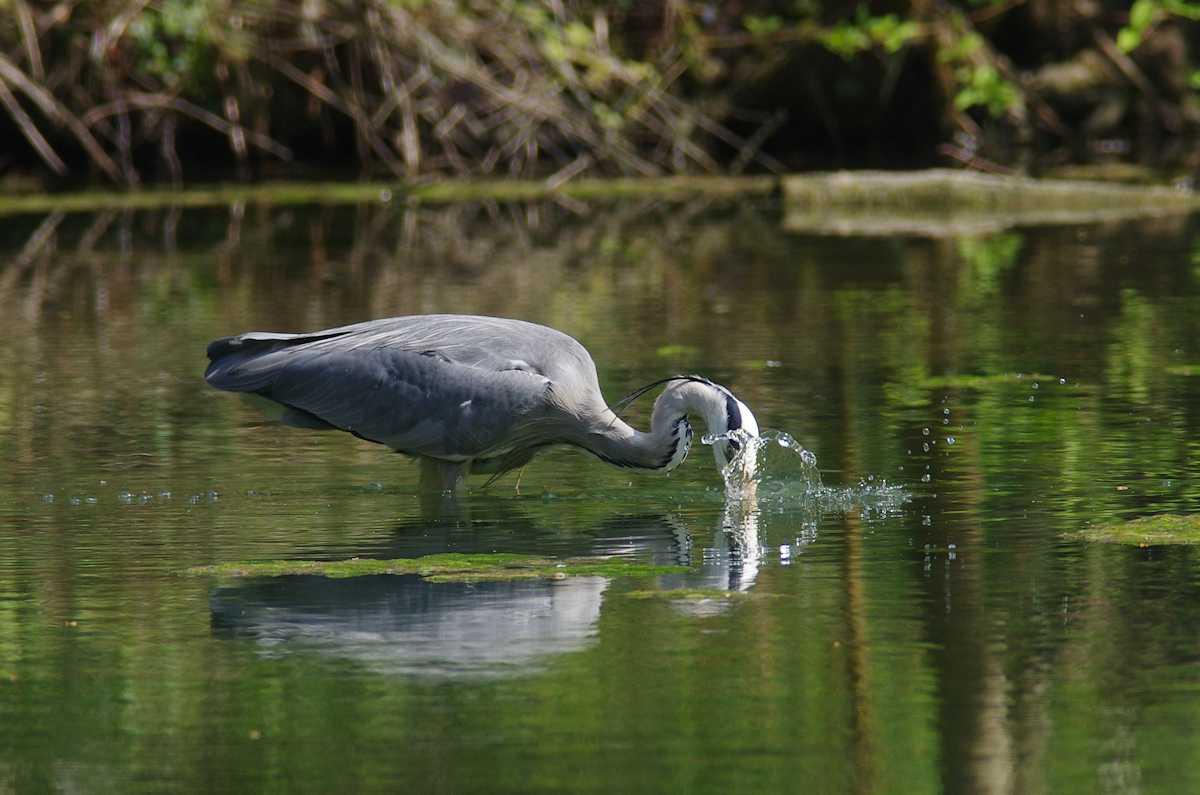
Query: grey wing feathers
x=425, y=385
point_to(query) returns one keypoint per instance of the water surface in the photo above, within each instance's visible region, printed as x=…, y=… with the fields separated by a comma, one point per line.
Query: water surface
x=1017, y=386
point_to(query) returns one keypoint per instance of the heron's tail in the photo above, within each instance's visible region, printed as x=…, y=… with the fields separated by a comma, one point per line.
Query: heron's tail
x=243, y=363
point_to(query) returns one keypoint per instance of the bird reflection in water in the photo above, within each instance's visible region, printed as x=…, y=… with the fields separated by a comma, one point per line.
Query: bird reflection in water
x=457, y=630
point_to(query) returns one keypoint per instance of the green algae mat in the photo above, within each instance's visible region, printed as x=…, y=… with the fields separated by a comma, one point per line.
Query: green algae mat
x=1161, y=530
x=444, y=568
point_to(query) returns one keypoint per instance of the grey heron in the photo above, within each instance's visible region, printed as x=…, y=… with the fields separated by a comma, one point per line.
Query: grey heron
x=467, y=394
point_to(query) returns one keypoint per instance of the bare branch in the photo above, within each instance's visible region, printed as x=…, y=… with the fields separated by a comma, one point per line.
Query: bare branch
x=146, y=101
x=54, y=109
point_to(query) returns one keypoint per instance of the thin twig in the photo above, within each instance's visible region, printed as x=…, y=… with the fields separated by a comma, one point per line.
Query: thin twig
x=146, y=101
x=33, y=52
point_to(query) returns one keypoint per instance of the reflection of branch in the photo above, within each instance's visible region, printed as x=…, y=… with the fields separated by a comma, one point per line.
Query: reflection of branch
x=858, y=660
x=94, y=232
x=37, y=241
x=33, y=246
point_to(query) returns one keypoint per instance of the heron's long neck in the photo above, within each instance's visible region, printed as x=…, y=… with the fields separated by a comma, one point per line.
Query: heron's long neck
x=670, y=436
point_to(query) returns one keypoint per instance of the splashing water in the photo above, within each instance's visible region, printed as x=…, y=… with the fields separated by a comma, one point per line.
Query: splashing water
x=767, y=464
x=774, y=470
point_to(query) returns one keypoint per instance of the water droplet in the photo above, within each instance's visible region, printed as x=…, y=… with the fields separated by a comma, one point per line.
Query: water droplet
x=385, y=195
x=91, y=500
x=1031, y=398
x=949, y=440
x=373, y=486
x=1035, y=386
x=925, y=432
x=945, y=411
x=47, y=498
x=164, y=495
x=125, y=497
x=251, y=493
x=1062, y=381
x=925, y=447
x=926, y=478
x=74, y=500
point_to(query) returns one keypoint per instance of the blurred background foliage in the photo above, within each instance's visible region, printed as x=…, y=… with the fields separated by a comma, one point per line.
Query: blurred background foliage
x=166, y=90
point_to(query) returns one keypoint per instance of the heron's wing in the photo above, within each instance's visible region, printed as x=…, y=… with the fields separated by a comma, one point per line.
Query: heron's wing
x=417, y=402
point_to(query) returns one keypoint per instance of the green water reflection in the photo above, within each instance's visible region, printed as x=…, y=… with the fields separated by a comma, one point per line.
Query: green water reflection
x=1018, y=386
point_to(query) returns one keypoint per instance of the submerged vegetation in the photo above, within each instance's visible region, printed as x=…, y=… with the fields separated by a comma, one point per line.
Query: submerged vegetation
x=170, y=90
x=1148, y=531
x=445, y=567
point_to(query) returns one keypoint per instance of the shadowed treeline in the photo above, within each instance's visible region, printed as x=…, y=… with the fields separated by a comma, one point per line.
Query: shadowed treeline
x=168, y=91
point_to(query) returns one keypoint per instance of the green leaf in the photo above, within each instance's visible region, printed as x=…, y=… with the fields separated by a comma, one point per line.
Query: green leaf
x=1180, y=8
x=1128, y=39
x=1142, y=13
x=762, y=26
x=845, y=40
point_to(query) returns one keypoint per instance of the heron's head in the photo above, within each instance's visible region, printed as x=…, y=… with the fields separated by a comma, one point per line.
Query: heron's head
x=738, y=417
x=721, y=411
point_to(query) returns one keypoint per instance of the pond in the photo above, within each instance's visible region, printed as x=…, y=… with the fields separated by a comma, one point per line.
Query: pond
x=930, y=624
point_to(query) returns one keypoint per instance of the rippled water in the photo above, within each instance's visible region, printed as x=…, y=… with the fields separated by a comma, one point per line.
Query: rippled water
x=914, y=615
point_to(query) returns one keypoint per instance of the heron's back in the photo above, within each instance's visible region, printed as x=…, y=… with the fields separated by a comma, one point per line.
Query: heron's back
x=452, y=387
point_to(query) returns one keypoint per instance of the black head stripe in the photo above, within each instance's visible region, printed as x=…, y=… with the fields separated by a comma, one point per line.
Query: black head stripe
x=733, y=414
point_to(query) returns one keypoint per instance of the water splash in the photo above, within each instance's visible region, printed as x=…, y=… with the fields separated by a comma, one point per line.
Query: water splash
x=776, y=472
x=766, y=465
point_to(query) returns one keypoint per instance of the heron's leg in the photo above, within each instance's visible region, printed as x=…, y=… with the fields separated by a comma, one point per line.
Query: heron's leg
x=441, y=476
x=431, y=477
x=454, y=477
